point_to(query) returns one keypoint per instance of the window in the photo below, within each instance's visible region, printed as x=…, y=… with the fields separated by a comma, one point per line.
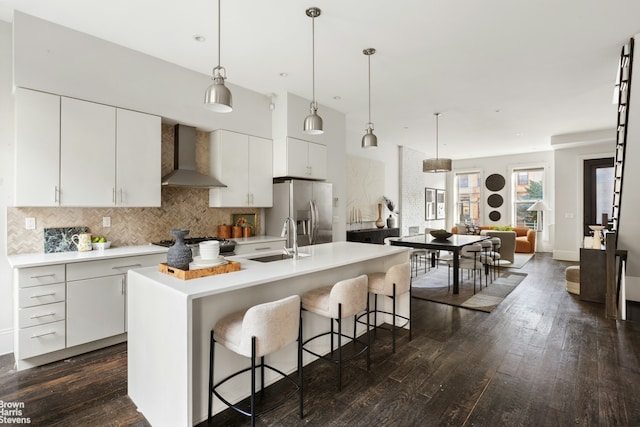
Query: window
x=528, y=185
x=467, y=197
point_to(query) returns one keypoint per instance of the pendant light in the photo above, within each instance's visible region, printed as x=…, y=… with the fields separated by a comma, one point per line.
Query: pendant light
x=313, y=122
x=218, y=97
x=437, y=164
x=369, y=140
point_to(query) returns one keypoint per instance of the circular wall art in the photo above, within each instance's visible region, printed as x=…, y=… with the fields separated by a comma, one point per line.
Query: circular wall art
x=494, y=182
x=494, y=216
x=495, y=200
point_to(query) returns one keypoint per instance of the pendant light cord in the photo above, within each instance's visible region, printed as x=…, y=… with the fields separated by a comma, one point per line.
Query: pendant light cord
x=437, y=116
x=369, y=57
x=218, y=33
x=313, y=60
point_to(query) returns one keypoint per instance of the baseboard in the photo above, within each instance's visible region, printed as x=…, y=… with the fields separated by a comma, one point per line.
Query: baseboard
x=6, y=341
x=566, y=255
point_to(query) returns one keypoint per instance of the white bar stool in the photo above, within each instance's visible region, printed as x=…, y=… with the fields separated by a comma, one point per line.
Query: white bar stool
x=344, y=299
x=253, y=333
x=394, y=282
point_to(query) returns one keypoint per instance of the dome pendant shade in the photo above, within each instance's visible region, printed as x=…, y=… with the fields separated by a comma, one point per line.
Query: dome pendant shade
x=218, y=97
x=313, y=122
x=437, y=164
x=369, y=140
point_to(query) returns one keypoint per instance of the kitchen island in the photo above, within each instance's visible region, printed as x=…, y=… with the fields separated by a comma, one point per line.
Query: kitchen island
x=168, y=348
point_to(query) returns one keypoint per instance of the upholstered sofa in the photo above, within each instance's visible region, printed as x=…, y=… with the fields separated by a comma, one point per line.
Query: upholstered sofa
x=525, y=237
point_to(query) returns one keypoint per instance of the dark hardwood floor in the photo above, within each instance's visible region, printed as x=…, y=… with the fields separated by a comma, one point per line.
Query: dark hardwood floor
x=542, y=358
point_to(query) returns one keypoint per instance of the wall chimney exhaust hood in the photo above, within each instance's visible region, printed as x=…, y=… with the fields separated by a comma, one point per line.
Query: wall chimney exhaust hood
x=184, y=162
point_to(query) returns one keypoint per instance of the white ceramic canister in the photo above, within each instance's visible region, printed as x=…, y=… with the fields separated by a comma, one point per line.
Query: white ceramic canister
x=82, y=241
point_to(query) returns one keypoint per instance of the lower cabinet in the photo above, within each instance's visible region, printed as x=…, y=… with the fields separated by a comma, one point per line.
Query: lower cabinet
x=95, y=309
x=63, y=306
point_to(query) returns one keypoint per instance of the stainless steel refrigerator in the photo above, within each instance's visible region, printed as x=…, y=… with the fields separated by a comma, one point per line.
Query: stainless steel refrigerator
x=309, y=204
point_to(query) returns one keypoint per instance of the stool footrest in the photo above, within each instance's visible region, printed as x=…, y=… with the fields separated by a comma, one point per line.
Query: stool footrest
x=264, y=411
x=327, y=357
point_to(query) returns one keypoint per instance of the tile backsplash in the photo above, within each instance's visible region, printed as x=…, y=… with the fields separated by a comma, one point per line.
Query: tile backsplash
x=181, y=208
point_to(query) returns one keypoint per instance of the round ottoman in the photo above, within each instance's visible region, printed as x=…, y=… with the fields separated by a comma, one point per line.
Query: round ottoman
x=572, y=275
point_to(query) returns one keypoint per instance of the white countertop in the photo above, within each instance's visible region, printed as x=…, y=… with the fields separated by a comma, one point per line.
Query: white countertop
x=38, y=259
x=252, y=273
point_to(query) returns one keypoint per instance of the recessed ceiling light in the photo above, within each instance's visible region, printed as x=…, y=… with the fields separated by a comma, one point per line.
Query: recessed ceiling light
x=337, y=98
x=199, y=38
x=284, y=74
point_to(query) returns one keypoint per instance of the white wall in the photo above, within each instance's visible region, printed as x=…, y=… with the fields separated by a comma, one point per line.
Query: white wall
x=569, y=195
x=56, y=59
x=6, y=185
x=504, y=166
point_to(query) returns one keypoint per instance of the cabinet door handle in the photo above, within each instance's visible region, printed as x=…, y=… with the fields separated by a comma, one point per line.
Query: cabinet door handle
x=119, y=267
x=56, y=194
x=113, y=195
x=50, y=294
x=38, y=316
x=42, y=275
x=43, y=334
x=121, y=200
x=263, y=249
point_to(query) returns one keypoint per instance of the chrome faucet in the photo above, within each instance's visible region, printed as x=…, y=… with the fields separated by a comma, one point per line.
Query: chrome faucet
x=292, y=252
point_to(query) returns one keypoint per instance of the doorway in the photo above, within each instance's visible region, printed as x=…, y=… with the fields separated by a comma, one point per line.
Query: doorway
x=598, y=192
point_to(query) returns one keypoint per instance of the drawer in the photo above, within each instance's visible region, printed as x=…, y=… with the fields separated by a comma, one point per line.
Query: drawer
x=36, y=276
x=253, y=248
x=41, y=314
x=37, y=295
x=40, y=339
x=111, y=267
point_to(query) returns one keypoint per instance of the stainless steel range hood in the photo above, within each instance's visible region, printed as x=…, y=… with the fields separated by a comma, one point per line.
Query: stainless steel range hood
x=184, y=162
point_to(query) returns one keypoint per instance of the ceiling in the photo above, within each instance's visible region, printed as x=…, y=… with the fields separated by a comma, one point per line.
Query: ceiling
x=505, y=74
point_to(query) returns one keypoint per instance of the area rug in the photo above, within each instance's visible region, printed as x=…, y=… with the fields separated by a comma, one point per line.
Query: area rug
x=520, y=259
x=432, y=287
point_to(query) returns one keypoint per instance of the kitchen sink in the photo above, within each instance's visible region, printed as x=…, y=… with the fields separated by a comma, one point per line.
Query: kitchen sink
x=277, y=257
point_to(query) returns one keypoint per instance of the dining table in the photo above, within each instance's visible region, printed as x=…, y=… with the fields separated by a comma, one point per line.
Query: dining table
x=452, y=244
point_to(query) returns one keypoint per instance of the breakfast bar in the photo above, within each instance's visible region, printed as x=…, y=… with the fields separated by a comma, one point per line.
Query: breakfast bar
x=168, y=332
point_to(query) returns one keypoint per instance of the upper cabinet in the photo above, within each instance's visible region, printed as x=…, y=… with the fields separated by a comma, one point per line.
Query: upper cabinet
x=138, y=159
x=84, y=154
x=37, y=148
x=244, y=164
x=297, y=158
x=87, y=153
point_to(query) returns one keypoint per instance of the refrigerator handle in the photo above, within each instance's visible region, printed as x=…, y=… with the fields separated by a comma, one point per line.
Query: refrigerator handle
x=316, y=223
x=313, y=225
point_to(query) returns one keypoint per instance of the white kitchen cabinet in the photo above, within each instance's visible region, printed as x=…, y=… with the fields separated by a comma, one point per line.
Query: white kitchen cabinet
x=37, y=148
x=87, y=153
x=138, y=162
x=71, y=152
x=297, y=158
x=39, y=311
x=95, y=309
x=71, y=307
x=244, y=163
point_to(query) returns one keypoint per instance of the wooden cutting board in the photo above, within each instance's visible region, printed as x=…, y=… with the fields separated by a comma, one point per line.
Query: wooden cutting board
x=229, y=267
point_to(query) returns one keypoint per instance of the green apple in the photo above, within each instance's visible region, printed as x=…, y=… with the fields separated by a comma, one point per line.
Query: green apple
x=102, y=240
x=95, y=239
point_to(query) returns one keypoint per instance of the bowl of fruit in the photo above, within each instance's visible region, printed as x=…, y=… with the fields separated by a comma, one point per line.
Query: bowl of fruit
x=100, y=243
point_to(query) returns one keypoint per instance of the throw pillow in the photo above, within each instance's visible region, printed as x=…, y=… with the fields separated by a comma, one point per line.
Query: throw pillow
x=473, y=229
x=462, y=228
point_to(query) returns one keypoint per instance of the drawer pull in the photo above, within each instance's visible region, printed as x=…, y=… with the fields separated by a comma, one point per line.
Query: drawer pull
x=43, y=334
x=38, y=316
x=43, y=275
x=126, y=266
x=50, y=294
x=263, y=248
